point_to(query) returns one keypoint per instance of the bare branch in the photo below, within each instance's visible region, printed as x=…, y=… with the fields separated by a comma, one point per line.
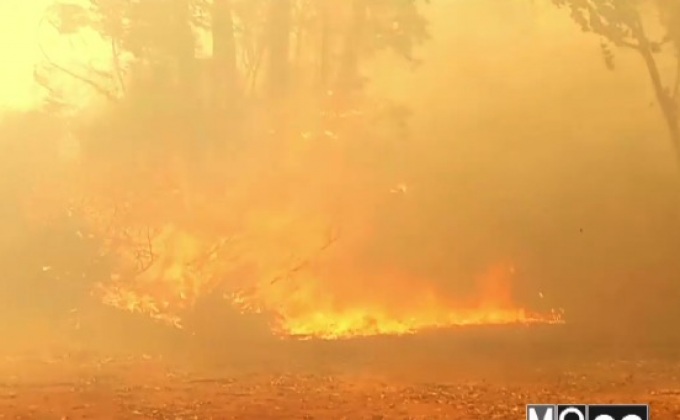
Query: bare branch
x=150, y=256
x=676, y=87
x=116, y=65
x=628, y=44
x=94, y=85
x=301, y=264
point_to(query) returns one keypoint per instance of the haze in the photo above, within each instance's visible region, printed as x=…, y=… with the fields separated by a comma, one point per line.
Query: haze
x=520, y=154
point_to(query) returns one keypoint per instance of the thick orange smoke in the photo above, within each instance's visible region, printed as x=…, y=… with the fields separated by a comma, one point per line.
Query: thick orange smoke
x=270, y=239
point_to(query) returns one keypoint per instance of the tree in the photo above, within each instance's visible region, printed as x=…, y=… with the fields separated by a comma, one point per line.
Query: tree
x=258, y=74
x=163, y=36
x=223, y=53
x=621, y=23
x=279, y=46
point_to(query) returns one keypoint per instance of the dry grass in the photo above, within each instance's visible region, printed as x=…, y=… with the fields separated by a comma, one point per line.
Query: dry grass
x=367, y=380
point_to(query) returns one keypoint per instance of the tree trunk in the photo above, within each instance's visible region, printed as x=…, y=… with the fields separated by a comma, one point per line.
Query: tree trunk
x=279, y=47
x=349, y=78
x=668, y=107
x=185, y=52
x=663, y=96
x=224, y=57
x=182, y=71
x=325, y=45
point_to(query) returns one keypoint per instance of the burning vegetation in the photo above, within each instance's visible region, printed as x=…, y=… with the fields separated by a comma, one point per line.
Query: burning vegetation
x=238, y=152
x=320, y=174
x=293, y=256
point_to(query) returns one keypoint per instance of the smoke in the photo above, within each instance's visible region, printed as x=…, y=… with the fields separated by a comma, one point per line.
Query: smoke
x=518, y=152
x=506, y=144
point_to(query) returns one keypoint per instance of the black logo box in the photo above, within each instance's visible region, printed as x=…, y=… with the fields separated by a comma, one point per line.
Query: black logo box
x=618, y=412
x=590, y=412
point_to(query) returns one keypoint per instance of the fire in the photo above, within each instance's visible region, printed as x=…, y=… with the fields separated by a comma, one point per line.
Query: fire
x=304, y=299
x=400, y=306
x=281, y=257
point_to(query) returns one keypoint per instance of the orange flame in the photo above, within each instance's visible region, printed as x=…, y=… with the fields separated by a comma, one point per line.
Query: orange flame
x=307, y=301
x=274, y=258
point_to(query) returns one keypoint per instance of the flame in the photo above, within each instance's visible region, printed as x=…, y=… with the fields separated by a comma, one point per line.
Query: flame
x=309, y=296
x=396, y=306
x=171, y=243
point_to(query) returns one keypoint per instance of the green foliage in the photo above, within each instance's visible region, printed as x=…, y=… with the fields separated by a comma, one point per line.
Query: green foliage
x=69, y=18
x=611, y=19
x=169, y=76
x=669, y=11
x=397, y=25
x=156, y=31
x=608, y=55
x=619, y=22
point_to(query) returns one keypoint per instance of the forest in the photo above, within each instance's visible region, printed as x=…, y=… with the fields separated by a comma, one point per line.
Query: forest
x=235, y=179
x=240, y=149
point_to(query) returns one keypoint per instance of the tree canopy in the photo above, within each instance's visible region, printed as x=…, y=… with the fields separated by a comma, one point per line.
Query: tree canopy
x=223, y=119
x=626, y=24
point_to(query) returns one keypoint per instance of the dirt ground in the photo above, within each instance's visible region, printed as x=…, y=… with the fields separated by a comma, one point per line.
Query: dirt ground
x=403, y=378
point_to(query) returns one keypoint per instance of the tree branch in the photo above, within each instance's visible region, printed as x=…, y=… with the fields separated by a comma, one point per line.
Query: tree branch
x=676, y=86
x=94, y=85
x=150, y=257
x=303, y=263
x=116, y=65
x=628, y=44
